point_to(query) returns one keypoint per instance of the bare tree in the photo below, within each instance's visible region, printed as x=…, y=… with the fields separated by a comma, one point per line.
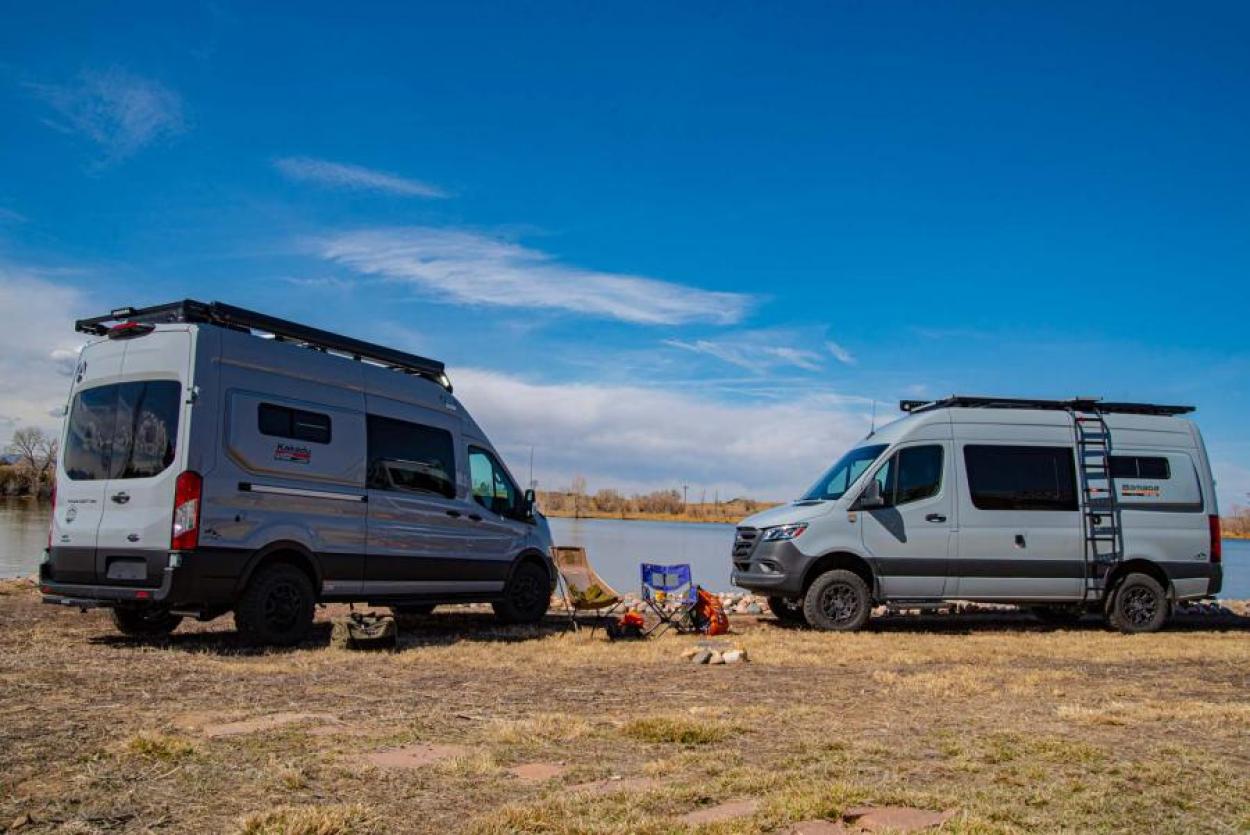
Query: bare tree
x=36, y=454
x=578, y=489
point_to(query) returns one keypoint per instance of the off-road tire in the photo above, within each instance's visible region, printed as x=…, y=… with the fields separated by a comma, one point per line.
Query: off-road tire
x=527, y=596
x=837, y=601
x=1058, y=615
x=1139, y=604
x=787, y=609
x=412, y=610
x=276, y=609
x=144, y=623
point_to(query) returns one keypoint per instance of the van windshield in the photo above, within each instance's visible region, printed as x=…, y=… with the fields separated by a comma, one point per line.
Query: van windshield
x=839, y=478
x=124, y=430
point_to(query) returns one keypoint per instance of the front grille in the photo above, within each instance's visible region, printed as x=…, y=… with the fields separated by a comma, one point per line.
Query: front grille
x=745, y=541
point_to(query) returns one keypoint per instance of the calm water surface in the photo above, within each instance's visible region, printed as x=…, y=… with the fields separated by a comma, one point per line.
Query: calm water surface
x=616, y=547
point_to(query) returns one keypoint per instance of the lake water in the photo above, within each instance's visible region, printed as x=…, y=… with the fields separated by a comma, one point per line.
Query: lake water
x=616, y=547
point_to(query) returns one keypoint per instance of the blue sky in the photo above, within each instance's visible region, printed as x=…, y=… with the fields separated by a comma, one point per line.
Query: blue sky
x=658, y=242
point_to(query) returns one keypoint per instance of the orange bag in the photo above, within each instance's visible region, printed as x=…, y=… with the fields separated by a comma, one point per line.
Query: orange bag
x=712, y=619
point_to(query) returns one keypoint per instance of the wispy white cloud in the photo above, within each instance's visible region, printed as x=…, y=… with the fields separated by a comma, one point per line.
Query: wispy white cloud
x=752, y=352
x=355, y=177
x=119, y=111
x=471, y=268
x=38, y=345
x=839, y=353
x=641, y=438
x=10, y=216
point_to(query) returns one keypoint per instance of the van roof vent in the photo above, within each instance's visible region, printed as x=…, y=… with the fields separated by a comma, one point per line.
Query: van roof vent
x=1089, y=404
x=241, y=319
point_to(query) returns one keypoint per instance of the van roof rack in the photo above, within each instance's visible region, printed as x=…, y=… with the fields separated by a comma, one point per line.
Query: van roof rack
x=1085, y=404
x=241, y=319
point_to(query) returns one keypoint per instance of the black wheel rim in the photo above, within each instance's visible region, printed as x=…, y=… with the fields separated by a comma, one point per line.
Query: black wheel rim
x=282, y=607
x=839, y=603
x=527, y=592
x=1140, y=606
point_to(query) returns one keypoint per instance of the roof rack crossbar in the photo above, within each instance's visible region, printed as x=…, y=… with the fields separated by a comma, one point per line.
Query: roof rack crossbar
x=1083, y=404
x=238, y=318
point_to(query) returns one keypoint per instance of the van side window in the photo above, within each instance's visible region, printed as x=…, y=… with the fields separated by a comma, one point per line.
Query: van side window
x=123, y=430
x=1140, y=466
x=910, y=475
x=411, y=457
x=492, y=488
x=1021, y=477
x=285, y=422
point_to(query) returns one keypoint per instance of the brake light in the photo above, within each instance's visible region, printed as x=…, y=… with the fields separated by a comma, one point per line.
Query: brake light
x=186, y=528
x=1217, y=541
x=127, y=330
x=52, y=521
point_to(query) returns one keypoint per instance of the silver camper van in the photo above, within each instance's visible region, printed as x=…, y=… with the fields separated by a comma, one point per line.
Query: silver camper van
x=1062, y=506
x=216, y=459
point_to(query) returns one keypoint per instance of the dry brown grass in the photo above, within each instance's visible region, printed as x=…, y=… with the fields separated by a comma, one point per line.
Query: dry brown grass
x=1016, y=727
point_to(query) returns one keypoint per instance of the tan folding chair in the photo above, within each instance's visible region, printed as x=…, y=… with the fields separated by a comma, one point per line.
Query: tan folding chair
x=584, y=590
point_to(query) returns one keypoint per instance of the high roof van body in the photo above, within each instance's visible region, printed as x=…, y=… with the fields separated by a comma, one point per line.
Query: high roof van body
x=217, y=459
x=1064, y=506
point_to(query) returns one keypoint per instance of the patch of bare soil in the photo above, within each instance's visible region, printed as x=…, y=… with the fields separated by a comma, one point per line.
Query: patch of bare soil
x=1011, y=725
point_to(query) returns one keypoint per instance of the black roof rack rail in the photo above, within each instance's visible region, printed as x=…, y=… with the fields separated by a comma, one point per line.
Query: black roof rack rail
x=1090, y=404
x=238, y=318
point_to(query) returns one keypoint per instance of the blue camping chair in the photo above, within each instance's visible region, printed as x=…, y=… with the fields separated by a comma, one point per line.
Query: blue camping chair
x=670, y=592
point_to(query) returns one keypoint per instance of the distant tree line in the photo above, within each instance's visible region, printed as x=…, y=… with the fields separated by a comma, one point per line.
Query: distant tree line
x=28, y=466
x=1237, y=522
x=577, y=500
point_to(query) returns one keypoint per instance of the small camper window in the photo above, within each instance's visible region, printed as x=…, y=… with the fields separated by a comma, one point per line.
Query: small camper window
x=297, y=424
x=1021, y=477
x=1140, y=466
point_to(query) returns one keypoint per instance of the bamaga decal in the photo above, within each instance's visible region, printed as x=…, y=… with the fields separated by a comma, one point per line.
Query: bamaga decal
x=1144, y=491
x=292, y=454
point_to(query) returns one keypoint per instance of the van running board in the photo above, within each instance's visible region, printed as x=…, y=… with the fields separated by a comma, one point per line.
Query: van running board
x=1100, y=509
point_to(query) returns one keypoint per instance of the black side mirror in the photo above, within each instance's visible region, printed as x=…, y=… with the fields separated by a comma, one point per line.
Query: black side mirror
x=871, y=497
x=527, y=507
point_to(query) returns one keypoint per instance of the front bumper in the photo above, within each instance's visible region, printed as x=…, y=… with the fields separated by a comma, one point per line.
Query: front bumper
x=774, y=568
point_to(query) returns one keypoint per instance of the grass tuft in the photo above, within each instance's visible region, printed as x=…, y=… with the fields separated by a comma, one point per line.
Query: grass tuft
x=680, y=731
x=160, y=746
x=337, y=819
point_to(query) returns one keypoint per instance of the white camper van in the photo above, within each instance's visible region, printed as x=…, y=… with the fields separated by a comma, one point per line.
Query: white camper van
x=1064, y=506
x=218, y=459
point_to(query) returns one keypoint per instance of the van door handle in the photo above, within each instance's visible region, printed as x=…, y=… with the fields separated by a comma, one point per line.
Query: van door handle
x=475, y=517
x=455, y=514
x=935, y=517
x=1020, y=543
x=122, y=497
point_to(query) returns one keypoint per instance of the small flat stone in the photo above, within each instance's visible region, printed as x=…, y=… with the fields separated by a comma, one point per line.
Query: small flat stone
x=264, y=723
x=721, y=812
x=414, y=756
x=703, y=656
x=817, y=827
x=537, y=772
x=717, y=658
x=895, y=818
x=734, y=656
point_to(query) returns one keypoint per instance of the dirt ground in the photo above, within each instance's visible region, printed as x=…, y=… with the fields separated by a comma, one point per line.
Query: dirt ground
x=1008, y=725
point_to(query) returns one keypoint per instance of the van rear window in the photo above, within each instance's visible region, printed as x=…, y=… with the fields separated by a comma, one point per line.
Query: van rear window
x=285, y=422
x=1140, y=466
x=1021, y=477
x=124, y=430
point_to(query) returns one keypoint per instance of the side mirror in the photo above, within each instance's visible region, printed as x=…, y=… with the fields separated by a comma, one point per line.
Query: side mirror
x=871, y=497
x=527, y=507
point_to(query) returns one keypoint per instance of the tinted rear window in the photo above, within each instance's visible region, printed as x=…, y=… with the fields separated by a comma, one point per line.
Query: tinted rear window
x=124, y=430
x=1021, y=477
x=1140, y=466
x=285, y=422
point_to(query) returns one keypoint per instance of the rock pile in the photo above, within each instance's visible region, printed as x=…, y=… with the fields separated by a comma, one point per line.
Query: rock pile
x=715, y=653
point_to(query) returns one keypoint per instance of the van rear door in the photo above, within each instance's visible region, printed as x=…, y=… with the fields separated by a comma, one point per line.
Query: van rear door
x=145, y=451
x=82, y=471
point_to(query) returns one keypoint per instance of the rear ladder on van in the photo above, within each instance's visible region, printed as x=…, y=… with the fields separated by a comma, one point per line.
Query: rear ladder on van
x=1100, y=511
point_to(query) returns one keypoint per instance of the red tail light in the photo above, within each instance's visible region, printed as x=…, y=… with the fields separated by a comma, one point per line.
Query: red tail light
x=186, y=529
x=52, y=521
x=1217, y=541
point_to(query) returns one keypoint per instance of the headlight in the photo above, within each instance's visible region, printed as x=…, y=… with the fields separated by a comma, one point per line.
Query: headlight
x=784, y=532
